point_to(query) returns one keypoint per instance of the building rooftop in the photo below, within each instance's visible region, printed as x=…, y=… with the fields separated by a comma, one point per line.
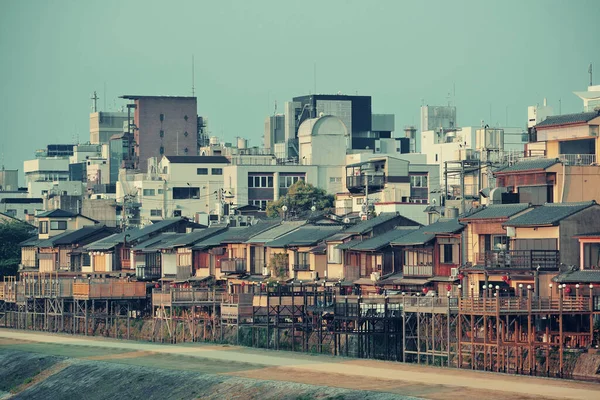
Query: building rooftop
x=428, y=233
x=549, y=214
x=195, y=237
x=368, y=225
x=136, y=97
x=276, y=231
x=579, y=276
x=381, y=241
x=158, y=243
x=197, y=159
x=305, y=236
x=528, y=165
x=495, y=211
x=568, y=119
x=76, y=237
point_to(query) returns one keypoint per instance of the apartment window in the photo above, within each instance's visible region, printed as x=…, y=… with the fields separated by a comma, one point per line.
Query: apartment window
x=162, y=150
x=418, y=181
x=185, y=150
x=12, y=212
x=181, y=193
x=177, y=213
x=334, y=179
x=43, y=227
x=58, y=225
x=161, y=133
x=160, y=191
x=359, y=201
x=217, y=171
x=260, y=181
x=156, y=213
x=201, y=171
x=185, y=134
x=149, y=192
x=185, y=118
x=288, y=181
x=162, y=117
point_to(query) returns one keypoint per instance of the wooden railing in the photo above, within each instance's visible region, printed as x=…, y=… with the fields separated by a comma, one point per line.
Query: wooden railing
x=109, y=289
x=187, y=295
x=524, y=304
x=417, y=270
x=521, y=259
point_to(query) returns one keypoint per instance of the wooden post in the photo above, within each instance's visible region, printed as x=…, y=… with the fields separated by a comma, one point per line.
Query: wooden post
x=560, y=334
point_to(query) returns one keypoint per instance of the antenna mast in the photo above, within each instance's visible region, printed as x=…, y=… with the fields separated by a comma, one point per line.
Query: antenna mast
x=590, y=72
x=95, y=100
x=193, y=79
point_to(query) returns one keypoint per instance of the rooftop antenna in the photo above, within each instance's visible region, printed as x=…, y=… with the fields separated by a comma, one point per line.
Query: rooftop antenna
x=193, y=79
x=315, y=78
x=104, y=96
x=95, y=102
x=590, y=72
x=275, y=112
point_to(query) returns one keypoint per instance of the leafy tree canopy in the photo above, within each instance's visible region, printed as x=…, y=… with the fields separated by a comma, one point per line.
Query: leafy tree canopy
x=11, y=234
x=299, y=199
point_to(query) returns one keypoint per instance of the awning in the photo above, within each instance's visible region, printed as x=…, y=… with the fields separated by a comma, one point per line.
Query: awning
x=411, y=281
x=364, y=281
x=442, y=279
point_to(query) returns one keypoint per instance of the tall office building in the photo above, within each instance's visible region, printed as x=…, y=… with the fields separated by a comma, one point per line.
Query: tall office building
x=163, y=125
x=103, y=125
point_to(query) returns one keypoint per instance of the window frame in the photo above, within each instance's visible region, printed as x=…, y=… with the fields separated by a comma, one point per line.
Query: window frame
x=58, y=225
x=201, y=171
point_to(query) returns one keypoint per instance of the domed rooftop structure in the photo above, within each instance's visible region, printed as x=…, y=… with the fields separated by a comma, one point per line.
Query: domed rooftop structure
x=324, y=125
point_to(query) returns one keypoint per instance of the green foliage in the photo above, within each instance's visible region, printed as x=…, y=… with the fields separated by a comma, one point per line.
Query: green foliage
x=300, y=198
x=11, y=234
x=279, y=265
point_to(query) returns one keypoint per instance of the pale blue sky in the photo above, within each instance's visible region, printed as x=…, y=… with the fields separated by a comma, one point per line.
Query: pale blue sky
x=251, y=53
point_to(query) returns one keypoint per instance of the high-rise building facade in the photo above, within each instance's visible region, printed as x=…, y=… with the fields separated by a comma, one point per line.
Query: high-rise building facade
x=164, y=125
x=103, y=125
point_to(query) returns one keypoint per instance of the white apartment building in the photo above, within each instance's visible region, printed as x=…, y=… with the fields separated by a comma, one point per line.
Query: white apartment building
x=50, y=175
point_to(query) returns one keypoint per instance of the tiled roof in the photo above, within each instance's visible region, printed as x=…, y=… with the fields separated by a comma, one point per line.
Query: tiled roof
x=549, y=214
x=276, y=231
x=427, y=233
x=135, y=235
x=585, y=276
x=58, y=213
x=242, y=234
x=382, y=240
x=195, y=236
x=76, y=237
x=198, y=159
x=159, y=242
x=497, y=211
x=305, y=236
x=529, y=165
x=31, y=242
x=366, y=226
x=338, y=237
x=567, y=119
x=319, y=249
x=349, y=244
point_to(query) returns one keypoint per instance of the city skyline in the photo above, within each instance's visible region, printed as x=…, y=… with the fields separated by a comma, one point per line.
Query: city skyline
x=487, y=58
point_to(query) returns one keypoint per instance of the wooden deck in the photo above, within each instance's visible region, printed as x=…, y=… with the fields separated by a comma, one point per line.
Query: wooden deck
x=524, y=305
x=187, y=297
x=109, y=289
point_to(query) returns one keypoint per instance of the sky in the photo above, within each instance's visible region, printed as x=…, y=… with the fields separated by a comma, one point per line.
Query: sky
x=491, y=58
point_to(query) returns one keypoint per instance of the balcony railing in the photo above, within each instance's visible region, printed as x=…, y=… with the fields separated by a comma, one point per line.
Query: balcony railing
x=417, y=270
x=233, y=265
x=358, y=183
x=147, y=272
x=301, y=267
x=578, y=159
x=522, y=259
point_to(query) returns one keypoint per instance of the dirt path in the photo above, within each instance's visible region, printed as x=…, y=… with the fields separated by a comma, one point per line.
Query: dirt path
x=406, y=379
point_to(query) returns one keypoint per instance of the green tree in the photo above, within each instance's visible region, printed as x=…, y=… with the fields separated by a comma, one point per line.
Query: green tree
x=11, y=234
x=299, y=199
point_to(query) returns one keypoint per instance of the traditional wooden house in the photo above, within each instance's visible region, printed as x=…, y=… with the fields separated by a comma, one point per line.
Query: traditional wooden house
x=290, y=257
x=114, y=252
x=541, y=241
x=62, y=253
x=55, y=222
x=346, y=268
x=258, y=260
x=374, y=259
x=158, y=263
x=431, y=256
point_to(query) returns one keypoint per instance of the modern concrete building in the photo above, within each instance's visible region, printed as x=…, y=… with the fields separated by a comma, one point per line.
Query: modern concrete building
x=164, y=125
x=436, y=118
x=591, y=98
x=9, y=179
x=50, y=175
x=103, y=125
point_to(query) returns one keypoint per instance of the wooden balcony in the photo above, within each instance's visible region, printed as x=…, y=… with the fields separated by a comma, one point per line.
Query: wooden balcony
x=108, y=289
x=301, y=267
x=524, y=305
x=148, y=272
x=417, y=270
x=545, y=260
x=186, y=296
x=358, y=183
x=233, y=265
